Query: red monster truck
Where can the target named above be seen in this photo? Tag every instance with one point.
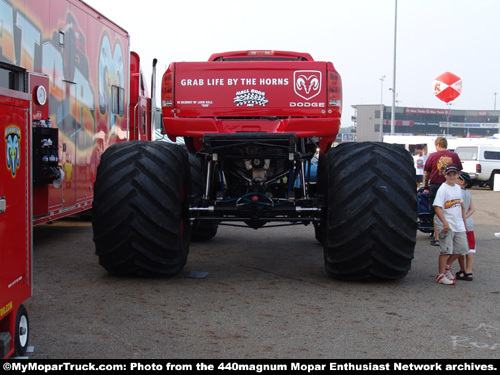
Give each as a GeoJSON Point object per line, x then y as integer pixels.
{"type": "Point", "coordinates": [254, 124]}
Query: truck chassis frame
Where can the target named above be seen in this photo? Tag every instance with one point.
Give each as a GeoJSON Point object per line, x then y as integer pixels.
{"type": "Point", "coordinates": [258, 206]}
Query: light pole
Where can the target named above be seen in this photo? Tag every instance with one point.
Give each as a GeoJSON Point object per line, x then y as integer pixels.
{"type": "Point", "coordinates": [381, 130]}
{"type": "Point", "coordinates": [393, 114]}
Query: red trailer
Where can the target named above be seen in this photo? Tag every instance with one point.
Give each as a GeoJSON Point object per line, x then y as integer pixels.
{"type": "Point", "coordinates": [69, 88]}
{"type": "Point", "coordinates": [15, 219]}
{"type": "Point", "coordinates": [93, 95]}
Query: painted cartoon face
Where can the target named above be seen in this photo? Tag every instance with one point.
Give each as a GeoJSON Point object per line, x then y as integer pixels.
{"type": "Point", "coordinates": [13, 153]}
{"type": "Point", "coordinates": [12, 136]}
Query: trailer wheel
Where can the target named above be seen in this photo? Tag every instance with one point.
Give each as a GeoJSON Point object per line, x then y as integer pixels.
{"type": "Point", "coordinates": [140, 210]}
{"type": "Point", "coordinates": [21, 335]}
{"type": "Point", "coordinates": [371, 211]}
{"type": "Point", "coordinates": [201, 230]}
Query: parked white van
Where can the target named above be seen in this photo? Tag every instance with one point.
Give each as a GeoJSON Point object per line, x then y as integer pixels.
{"type": "Point", "coordinates": [482, 162]}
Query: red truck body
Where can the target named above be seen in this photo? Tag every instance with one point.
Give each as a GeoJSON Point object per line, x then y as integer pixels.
{"type": "Point", "coordinates": [258, 127]}
{"type": "Point", "coordinates": [95, 92]}
{"type": "Point", "coordinates": [254, 91]}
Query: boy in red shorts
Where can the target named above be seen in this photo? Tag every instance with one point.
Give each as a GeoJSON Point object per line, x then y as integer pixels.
{"type": "Point", "coordinates": [465, 272]}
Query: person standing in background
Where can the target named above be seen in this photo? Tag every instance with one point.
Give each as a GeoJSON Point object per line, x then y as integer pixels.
{"type": "Point", "coordinates": [425, 156]}
{"type": "Point", "coordinates": [419, 167]}
{"type": "Point", "coordinates": [434, 175]}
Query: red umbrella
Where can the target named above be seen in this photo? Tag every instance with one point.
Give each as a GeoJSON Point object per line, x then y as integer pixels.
{"type": "Point", "coordinates": [447, 87]}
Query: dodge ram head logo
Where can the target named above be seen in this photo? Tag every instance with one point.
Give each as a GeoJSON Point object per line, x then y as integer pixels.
{"type": "Point", "coordinates": [307, 83]}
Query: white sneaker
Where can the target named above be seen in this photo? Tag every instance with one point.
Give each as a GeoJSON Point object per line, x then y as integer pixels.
{"type": "Point", "coordinates": [442, 279]}
{"type": "Point", "coordinates": [497, 235]}
{"type": "Point", "coordinates": [449, 274]}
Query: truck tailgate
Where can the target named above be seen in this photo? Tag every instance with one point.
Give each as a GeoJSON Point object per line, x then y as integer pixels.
{"type": "Point", "coordinates": [469, 166]}
{"type": "Point", "coordinates": [266, 89]}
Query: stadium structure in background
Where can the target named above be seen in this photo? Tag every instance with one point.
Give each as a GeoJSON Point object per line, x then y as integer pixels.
{"type": "Point", "coordinates": [424, 121]}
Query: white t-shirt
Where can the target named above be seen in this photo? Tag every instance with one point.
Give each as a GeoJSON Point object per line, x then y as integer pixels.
{"type": "Point", "coordinates": [449, 198]}
{"type": "Point", "coordinates": [467, 198]}
{"type": "Point", "coordinates": [419, 164]}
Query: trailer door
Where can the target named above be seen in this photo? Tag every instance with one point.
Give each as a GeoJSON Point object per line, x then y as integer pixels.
{"type": "Point", "coordinates": [15, 198]}
{"type": "Point", "coordinates": [65, 196]}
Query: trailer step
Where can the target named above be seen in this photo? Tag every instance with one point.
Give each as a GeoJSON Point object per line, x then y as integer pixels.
{"type": "Point", "coordinates": [5, 339]}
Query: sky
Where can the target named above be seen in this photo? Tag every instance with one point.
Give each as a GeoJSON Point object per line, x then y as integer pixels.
{"type": "Point", "coordinates": [357, 36]}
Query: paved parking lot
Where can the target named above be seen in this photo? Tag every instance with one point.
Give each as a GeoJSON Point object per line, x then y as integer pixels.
{"type": "Point", "coordinates": [266, 296]}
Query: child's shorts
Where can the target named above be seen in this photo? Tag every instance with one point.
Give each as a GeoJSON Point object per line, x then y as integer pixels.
{"type": "Point", "coordinates": [472, 242]}
{"type": "Point", "coordinates": [453, 243]}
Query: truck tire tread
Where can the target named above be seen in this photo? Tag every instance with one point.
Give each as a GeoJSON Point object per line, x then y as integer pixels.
{"type": "Point", "coordinates": [372, 208]}
{"type": "Point", "coordinates": [139, 212]}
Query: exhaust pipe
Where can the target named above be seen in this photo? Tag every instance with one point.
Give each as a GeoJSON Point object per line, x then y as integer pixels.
{"type": "Point", "coordinates": [153, 101]}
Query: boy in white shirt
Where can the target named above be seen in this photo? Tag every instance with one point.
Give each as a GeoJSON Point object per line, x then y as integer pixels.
{"type": "Point", "coordinates": [451, 225]}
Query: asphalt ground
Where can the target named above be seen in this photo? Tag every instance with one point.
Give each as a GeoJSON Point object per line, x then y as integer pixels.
{"type": "Point", "coordinates": [266, 295]}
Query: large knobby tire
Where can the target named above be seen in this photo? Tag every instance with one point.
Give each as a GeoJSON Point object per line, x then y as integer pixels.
{"type": "Point", "coordinates": [140, 211]}
{"type": "Point", "coordinates": [371, 225]}
{"type": "Point", "coordinates": [201, 230]}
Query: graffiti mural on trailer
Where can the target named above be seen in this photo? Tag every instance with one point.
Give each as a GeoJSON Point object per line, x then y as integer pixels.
{"type": "Point", "coordinates": [81, 75]}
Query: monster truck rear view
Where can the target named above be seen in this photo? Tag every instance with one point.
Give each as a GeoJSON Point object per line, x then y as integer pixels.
{"type": "Point", "coordinates": [258, 128]}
